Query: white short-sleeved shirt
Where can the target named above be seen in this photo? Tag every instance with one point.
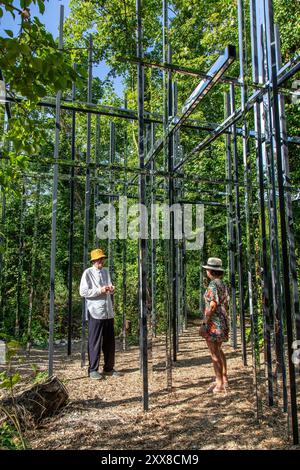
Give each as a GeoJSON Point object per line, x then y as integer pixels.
{"type": "Point", "coordinates": [98, 305]}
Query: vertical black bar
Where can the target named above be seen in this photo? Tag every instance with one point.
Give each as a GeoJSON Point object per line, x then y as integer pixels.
{"type": "Point", "coordinates": [177, 254]}
{"type": "Point", "coordinates": [283, 229]}
{"type": "Point", "coordinates": [261, 74]}
{"type": "Point", "coordinates": [230, 232]}
{"type": "Point", "coordinates": [3, 218]}
{"type": "Point", "coordinates": [248, 208]}
{"type": "Point", "coordinates": [87, 197]}
{"type": "Point", "coordinates": [239, 243]}
{"type": "Point", "coordinates": [124, 253]}
{"type": "Point", "coordinates": [265, 267]}
{"type": "Point", "coordinates": [71, 222]}
{"type": "Point", "coordinates": [289, 209]}
{"type": "Point", "coordinates": [172, 258]}
{"type": "Point", "coordinates": [20, 261]}
{"type": "Point", "coordinates": [54, 211]}
{"type": "Point", "coordinates": [268, 156]}
{"type": "Point", "coordinates": [2, 238]}
{"type": "Point", "coordinates": [165, 59]}
{"type": "Point", "coordinates": [3, 235]}
{"type": "Point", "coordinates": [292, 257]}
{"type": "Point", "coordinates": [168, 298]}
{"type": "Point", "coordinates": [153, 241]}
{"type": "Point", "coordinates": [184, 265]}
{"type": "Point", "coordinates": [201, 300]}
{"type": "Point", "coordinates": [96, 183]}
{"type": "Point", "coordinates": [33, 265]}
{"type": "Point", "coordinates": [262, 157]}
{"type": "Point", "coordinates": [112, 156]}
{"type": "Point", "coordinates": [142, 200]}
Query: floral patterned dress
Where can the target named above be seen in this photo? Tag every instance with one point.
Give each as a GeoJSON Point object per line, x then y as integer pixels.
{"type": "Point", "coordinates": [218, 329]}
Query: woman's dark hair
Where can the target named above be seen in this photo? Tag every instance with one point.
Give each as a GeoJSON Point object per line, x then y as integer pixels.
{"type": "Point", "coordinates": [216, 273]}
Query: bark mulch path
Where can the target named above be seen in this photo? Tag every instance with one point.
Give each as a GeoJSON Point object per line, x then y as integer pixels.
{"type": "Point", "coordinates": [108, 414]}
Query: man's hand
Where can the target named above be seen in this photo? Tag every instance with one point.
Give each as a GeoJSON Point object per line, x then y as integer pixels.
{"type": "Point", "coordinates": [107, 289]}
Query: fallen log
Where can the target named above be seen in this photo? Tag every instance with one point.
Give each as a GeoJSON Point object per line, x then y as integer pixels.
{"type": "Point", "coordinates": [40, 401]}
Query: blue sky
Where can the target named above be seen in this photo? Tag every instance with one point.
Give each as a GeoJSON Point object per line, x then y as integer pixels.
{"type": "Point", "coordinates": [50, 19]}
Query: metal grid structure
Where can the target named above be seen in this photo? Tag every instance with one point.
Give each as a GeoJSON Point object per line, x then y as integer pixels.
{"type": "Point", "coordinates": [274, 290]}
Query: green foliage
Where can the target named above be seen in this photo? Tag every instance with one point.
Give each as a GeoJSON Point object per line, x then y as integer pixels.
{"type": "Point", "coordinates": [10, 431]}
{"type": "Point", "coordinates": [9, 437]}
{"type": "Point", "coordinates": [33, 67]}
{"type": "Point", "coordinates": [38, 375]}
{"type": "Point", "coordinates": [8, 379]}
{"type": "Point", "coordinates": [33, 63]}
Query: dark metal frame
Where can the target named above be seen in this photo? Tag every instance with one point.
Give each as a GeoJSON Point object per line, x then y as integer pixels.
{"type": "Point", "coordinates": [276, 250]}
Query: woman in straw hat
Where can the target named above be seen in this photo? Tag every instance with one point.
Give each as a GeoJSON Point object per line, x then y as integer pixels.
{"type": "Point", "coordinates": [214, 327]}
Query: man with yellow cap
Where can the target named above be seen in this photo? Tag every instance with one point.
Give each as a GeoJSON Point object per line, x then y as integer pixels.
{"type": "Point", "coordinates": [96, 288]}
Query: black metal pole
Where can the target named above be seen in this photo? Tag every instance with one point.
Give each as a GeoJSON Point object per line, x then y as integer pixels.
{"type": "Point", "coordinates": [54, 211]}
{"type": "Point", "coordinates": [112, 156]}
{"type": "Point", "coordinates": [289, 209]}
{"type": "Point", "coordinates": [87, 199]}
{"type": "Point", "coordinates": [248, 213]}
{"type": "Point", "coordinates": [20, 260]}
{"type": "Point", "coordinates": [230, 230]}
{"type": "Point", "coordinates": [2, 239]}
{"type": "Point", "coordinates": [261, 120]}
{"type": "Point", "coordinates": [71, 223]}
{"type": "Point", "coordinates": [142, 200]}
{"type": "Point", "coordinates": [266, 300]}
{"type": "Point", "coordinates": [153, 243]}
{"type": "Point", "coordinates": [177, 254]}
{"type": "Point", "coordinates": [124, 252]}
{"type": "Point", "coordinates": [268, 156]}
{"type": "Point", "coordinates": [284, 240]}
{"type": "Point", "coordinates": [96, 181]}
{"type": "Point", "coordinates": [184, 283]}
{"type": "Point", "coordinates": [172, 258]}
{"type": "Point", "coordinates": [239, 243]}
{"type": "Point", "coordinates": [166, 247]}
{"type": "Point", "coordinates": [33, 265]}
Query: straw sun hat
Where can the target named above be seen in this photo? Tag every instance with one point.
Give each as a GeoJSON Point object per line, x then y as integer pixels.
{"type": "Point", "coordinates": [97, 254]}
{"type": "Point", "coordinates": [214, 264]}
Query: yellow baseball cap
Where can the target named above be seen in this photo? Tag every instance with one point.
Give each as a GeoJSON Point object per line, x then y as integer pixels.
{"type": "Point", "coordinates": [97, 254]}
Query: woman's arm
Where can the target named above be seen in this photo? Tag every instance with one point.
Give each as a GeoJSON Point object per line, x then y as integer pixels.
{"type": "Point", "coordinates": [211, 311]}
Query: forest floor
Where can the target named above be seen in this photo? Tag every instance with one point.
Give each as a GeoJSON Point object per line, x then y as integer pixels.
{"type": "Point", "coordinates": [108, 414]}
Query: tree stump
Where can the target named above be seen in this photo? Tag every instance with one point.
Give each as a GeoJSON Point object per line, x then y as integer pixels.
{"type": "Point", "coordinates": [40, 401]}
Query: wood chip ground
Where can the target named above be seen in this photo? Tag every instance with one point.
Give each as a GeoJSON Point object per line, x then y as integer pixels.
{"type": "Point", "coordinates": [108, 414]}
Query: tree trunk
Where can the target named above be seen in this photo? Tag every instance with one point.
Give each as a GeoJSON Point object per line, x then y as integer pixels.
{"type": "Point", "coordinates": [40, 401]}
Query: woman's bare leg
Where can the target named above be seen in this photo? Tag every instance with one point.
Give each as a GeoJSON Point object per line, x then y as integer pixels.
{"type": "Point", "coordinates": [224, 364]}
{"type": "Point", "coordinates": [217, 362]}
